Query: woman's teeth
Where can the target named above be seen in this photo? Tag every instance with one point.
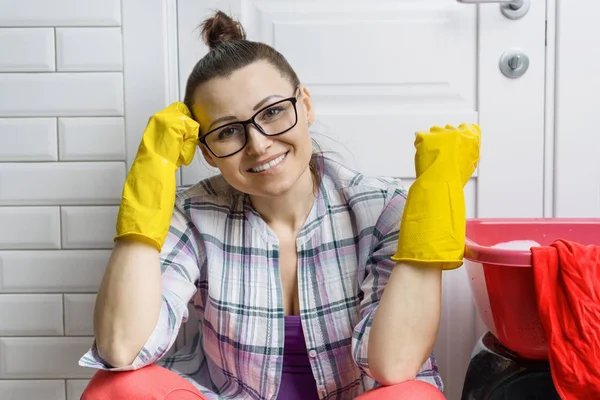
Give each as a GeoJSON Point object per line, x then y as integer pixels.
{"type": "Point", "coordinates": [269, 165]}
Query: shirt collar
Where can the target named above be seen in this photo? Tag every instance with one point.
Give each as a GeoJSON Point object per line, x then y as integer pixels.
{"type": "Point", "coordinates": [312, 222]}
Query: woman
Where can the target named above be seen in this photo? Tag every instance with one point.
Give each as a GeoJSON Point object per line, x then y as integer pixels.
{"type": "Point", "coordinates": [286, 255]}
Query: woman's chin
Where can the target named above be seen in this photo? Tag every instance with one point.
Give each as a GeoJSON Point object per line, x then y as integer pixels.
{"type": "Point", "coordinates": [273, 189]}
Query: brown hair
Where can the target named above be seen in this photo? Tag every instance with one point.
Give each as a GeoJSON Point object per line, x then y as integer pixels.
{"type": "Point", "coordinates": [230, 51]}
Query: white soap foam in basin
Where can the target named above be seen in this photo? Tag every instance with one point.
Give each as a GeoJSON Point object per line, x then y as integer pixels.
{"type": "Point", "coordinates": [517, 245]}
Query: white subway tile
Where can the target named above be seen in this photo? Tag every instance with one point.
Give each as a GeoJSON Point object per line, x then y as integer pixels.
{"type": "Point", "coordinates": [29, 227]}
{"type": "Point", "coordinates": [53, 271]}
{"type": "Point", "coordinates": [26, 49]}
{"type": "Point", "coordinates": [88, 227]}
{"type": "Point", "coordinates": [61, 183]}
{"type": "Point", "coordinates": [61, 94]}
{"type": "Point", "coordinates": [88, 49]}
{"type": "Point", "coordinates": [31, 314]}
{"type": "Point", "coordinates": [60, 13]}
{"type": "Point", "coordinates": [43, 357]}
{"type": "Point", "coordinates": [28, 139]}
{"type": "Point", "coordinates": [91, 139]}
{"type": "Point", "coordinates": [33, 390]}
{"type": "Point", "coordinates": [79, 312]}
{"type": "Point", "coordinates": [75, 388]}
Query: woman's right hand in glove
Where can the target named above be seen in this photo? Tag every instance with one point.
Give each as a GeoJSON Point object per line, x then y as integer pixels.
{"type": "Point", "coordinates": [169, 141]}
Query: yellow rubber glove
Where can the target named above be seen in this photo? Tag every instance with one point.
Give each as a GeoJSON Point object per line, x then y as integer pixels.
{"type": "Point", "coordinates": [148, 199]}
{"type": "Point", "coordinates": [432, 230]}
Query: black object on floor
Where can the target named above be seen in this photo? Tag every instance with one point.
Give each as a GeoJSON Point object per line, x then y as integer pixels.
{"type": "Point", "coordinates": [496, 373]}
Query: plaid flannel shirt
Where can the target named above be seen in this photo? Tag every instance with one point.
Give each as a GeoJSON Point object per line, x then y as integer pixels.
{"type": "Point", "coordinates": [222, 257]}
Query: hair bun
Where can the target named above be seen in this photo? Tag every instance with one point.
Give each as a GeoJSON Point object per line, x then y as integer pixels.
{"type": "Point", "coordinates": [221, 28]}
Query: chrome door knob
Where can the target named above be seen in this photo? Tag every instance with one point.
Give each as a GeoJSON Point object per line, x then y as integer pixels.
{"type": "Point", "coordinates": [514, 63]}
{"type": "Point", "coordinates": [512, 9]}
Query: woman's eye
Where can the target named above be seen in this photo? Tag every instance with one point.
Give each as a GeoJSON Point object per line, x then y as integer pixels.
{"type": "Point", "coordinates": [227, 132]}
{"type": "Point", "coordinates": [272, 112]}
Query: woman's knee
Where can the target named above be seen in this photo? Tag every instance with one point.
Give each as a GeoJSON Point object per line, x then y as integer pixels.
{"type": "Point", "coordinates": [148, 383]}
{"type": "Point", "coordinates": [106, 385]}
{"type": "Point", "coordinates": [409, 390]}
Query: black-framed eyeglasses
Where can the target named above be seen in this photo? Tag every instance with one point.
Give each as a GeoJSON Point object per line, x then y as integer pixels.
{"type": "Point", "coordinates": [272, 120]}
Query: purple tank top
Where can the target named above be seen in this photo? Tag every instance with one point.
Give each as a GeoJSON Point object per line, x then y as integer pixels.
{"type": "Point", "coordinates": [297, 381]}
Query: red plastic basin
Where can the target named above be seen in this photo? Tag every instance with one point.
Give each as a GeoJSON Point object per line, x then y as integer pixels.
{"type": "Point", "coordinates": [501, 280]}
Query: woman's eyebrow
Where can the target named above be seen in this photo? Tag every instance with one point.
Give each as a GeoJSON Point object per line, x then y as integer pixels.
{"type": "Point", "coordinates": [256, 107]}
{"type": "Point", "coordinates": [222, 119]}
{"type": "Point", "coordinates": [263, 101]}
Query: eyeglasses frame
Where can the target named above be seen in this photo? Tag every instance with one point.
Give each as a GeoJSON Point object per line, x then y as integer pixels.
{"type": "Point", "coordinates": [252, 121]}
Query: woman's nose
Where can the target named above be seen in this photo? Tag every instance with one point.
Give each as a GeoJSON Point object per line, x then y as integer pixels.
{"type": "Point", "coordinates": [257, 142]}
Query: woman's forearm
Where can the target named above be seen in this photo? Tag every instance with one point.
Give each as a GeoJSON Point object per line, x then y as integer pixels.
{"type": "Point", "coordinates": [128, 302]}
{"type": "Point", "coordinates": [405, 324]}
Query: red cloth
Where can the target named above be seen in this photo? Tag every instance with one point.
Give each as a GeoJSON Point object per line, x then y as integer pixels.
{"type": "Point", "coordinates": [567, 285]}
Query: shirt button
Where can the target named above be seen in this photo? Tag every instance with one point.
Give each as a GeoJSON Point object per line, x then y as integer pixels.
{"type": "Point", "coordinates": [312, 353]}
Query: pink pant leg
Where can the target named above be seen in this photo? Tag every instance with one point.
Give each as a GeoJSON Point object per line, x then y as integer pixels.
{"type": "Point", "coordinates": [409, 390]}
{"type": "Point", "coordinates": [148, 383]}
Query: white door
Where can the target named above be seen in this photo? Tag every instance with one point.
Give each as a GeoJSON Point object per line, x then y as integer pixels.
{"type": "Point", "coordinates": [379, 71]}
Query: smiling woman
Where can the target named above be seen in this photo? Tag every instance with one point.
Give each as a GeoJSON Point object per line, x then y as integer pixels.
{"type": "Point", "coordinates": [275, 123]}
{"type": "Point", "coordinates": [285, 255]}
{"type": "Point", "coordinates": [245, 95]}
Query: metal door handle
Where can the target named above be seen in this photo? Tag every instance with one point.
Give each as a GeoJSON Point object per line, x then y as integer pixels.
{"type": "Point", "coordinates": [514, 63]}
{"type": "Point", "coordinates": [513, 9]}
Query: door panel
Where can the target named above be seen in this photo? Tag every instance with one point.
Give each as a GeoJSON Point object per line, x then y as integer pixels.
{"type": "Point", "coordinates": [511, 114]}
{"type": "Point", "coordinates": [577, 168]}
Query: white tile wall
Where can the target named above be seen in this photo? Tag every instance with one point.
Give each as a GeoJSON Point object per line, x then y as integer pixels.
{"type": "Point", "coordinates": [61, 94]}
{"type": "Point", "coordinates": [61, 183]}
{"type": "Point", "coordinates": [88, 227]}
{"type": "Point", "coordinates": [44, 314]}
{"type": "Point", "coordinates": [75, 388]}
{"type": "Point", "coordinates": [29, 228]}
{"type": "Point", "coordinates": [53, 271]}
{"type": "Point", "coordinates": [78, 314]}
{"type": "Point", "coordinates": [28, 139]}
{"type": "Point", "coordinates": [43, 357]}
{"type": "Point", "coordinates": [91, 139]}
{"type": "Point", "coordinates": [32, 389]}
{"type": "Point", "coordinates": [38, 41]}
{"type": "Point", "coordinates": [88, 49]}
{"type": "Point", "coordinates": [62, 166]}
{"type": "Point", "coordinates": [31, 13]}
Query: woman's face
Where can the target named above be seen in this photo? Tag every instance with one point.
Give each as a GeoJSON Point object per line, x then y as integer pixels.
{"type": "Point", "coordinates": [267, 165]}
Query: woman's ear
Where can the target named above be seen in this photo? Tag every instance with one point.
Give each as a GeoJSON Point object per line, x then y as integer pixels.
{"type": "Point", "coordinates": [308, 105]}
{"type": "Point", "coordinates": [207, 156]}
